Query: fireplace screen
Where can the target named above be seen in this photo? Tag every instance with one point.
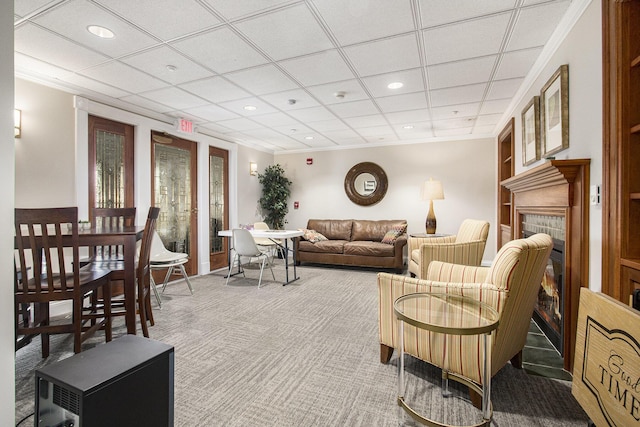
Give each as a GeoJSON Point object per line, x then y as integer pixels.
{"type": "Point", "coordinates": [550, 306]}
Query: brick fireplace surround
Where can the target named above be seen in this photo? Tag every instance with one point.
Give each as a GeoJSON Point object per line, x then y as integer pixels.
{"type": "Point", "coordinates": [559, 188]}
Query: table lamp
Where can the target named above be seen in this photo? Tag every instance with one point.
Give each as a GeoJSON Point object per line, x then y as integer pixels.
{"type": "Point", "coordinates": [432, 190]}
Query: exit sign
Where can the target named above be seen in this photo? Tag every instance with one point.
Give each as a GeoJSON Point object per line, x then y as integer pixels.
{"type": "Point", "coordinates": [185, 126]}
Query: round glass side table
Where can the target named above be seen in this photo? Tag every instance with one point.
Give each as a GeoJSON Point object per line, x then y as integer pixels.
{"type": "Point", "coordinates": [449, 315]}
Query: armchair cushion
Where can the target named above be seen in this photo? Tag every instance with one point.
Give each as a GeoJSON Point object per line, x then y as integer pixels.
{"type": "Point", "coordinates": [510, 286]}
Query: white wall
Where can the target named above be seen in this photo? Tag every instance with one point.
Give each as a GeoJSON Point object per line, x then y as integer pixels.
{"type": "Point", "coordinates": [249, 188]}
{"type": "Point", "coordinates": [7, 364]}
{"type": "Point", "coordinates": [466, 168]}
{"type": "Point", "coordinates": [582, 50]}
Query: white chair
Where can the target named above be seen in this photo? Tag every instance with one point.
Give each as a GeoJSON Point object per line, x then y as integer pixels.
{"type": "Point", "coordinates": [265, 243]}
{"type": "Point", "coordinates": [245, 247]}
{"type": "Point", "coordinates": [162, 258]}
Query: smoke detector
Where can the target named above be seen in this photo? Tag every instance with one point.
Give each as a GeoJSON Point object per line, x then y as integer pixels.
{"type": "Point", "coordinates": [292, 101]}
{"type": "Point", "coordinates": [339, 94]}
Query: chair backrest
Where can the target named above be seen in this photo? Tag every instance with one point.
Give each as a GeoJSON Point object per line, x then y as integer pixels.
{"type": "Point", "coordinates": [145, 245]}
{"type": "Point", "coordinates": [112, 218]}
{"type": "Point", "coordinates": [517, 268]}
{"type": "Point", "coordinates": [159, 252]}
{"type": "Point", "coordinates": [243, 243]}
{"type": "Point", "coordinates": [260, 226]}
{"type": "Point", "coordinates": [472, 229]}
{"type": "Point", "coordinates": [41, 236]}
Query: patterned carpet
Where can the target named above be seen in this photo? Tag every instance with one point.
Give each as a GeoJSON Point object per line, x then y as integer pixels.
{"type": "Point", "coordinates": [305, 354]}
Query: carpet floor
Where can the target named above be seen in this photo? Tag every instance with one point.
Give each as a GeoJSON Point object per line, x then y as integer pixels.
{"type": "Point", "coordinates": [306, 354]}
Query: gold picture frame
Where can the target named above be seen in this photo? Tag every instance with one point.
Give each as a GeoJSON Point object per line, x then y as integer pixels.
{"type": "Point", "coordinates": [554, 112]}
{"type": "Point", "coordinates": [531, 131]}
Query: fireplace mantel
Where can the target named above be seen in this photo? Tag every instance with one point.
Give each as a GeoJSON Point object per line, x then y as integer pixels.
{"type": "Point", "coordinates": [559, 188]}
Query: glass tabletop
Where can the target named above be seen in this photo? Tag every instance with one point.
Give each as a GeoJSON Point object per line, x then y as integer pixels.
{"type": "Point", "coordinates": [444, 313]}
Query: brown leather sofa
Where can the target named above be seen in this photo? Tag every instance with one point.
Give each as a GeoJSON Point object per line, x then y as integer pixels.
{"type": "Point", "coordinates": [353, 242]}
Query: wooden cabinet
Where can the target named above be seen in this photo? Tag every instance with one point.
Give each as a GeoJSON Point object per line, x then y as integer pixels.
{"type": "Point", "coordinates": [505, 171]}
{"type": "Point", "coordinates": [621, 147]}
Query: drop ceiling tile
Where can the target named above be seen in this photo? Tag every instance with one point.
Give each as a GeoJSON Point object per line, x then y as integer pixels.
{"type": "Point", "coordinates": [355, 108]}
{"type": "Point", "coordinates": [411, 79]}
{"type": "Point", "coordinates": [232, 9]}
{"type": "Point", "coordinates": [294, 131]}
{"type": "Point", "coordinates": [328, 125]}
{"type": "Point", "coordinates": [120, 75]}
{"type": "Point", "coordinates": [486, 129]}
{"type": "Point", "coordinates": [517, 64]}
{"type": "Point", "coordinates": [216, 128]}
{"type": "Point", "coordinates": [417, 129]}
{"type": "Point", "coordinates": [356, 21]}
{"type": "Point", "coordinates": [221, 50]}
{"type": "Point", "coordinates": [352, 89]}
{"type": "Point", "coordinates": [298, 32]}
{"type": "Point", "coordinates": [376, 131]}
{"type": "Point", "coordinates": [174, 97]}
{"type": "Point", "coordinates": [215, 89]}
{"type": "Point", "coordinates": [239, 124]}
{"type": "Point", "coordinates": [237, 106]}
{"type": "Point", "coordinates": [84, 82]}
{"type": "Point", "coordinates": [320, 143]}
{"type": "Point", "coordinates": [262, 80]}
{"type": "Point", "coordinates": [155, 62]}
{"type": "Point", "coordinates": [366, 121]}
{"type": "Point", "coordinates": [274, 120]}
{"type": "Point", "coordinates": [488, 119]}
{"type": "Point", "coordinates": [459, 123]}
{"type": "Point", "coordinates": [458, 95]}
{"type": "Point", "coordinates": [71, 20]}
{"type": "Point", "coordinates": [211, 113]}
{"type": "Point", "coordinates": [454, 111]}
{"type": "Point", "coordinates": [460, 73]}
{"type": "Point", "coordinates": [319, 68]}
{"type": "Point", "coordinates": [535, 24]}
{"type": "Point", "coordinates": [469, 39]}
{"type": "Point", "coordinates": [406, 117]}
{"type": "Point", "coordinates": [437, 12]}
{"type": "Point", "coordinates": [281, 100]}
{"type": "Point", "coordinates": [495, 106]}
{"type": "Point", "coordinates": [26, 65]}
{"type": "Point", "coordinates": [38, 43]}
{"type": "Point", "coordinates": [24, 8]}
{"type": "Point", "coordinates": [504, 88]}
{"type": "Point", "coordinates": [313, 114]}
{"type": "Point", "coordinates": [406, 101]}
{"type": "Point", "coordinates": [139, 101]}
{"type": "Point", "coordinates": [452, 132]}
{"type": "Point", "coordinates": [170, 19]}
{"type": "Point", "coordinates": [345, 134]}
{"type": "Point", "coordinates": [384, 56]}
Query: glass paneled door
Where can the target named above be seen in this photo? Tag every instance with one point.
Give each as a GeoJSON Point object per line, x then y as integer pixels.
{"type": "Point", "coordinates": [174, 191]}
{"type": "Point", "coordinates": [218, 207]}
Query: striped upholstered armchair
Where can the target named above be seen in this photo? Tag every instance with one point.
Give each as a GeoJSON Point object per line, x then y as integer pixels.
{"type": "Point", "coordinates": [466, 247]}
{"type": "Point", "coordinates": [510, 286]}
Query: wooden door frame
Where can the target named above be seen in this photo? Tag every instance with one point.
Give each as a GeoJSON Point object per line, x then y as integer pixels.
{"type": "Point", "coordinates": [219, 152]}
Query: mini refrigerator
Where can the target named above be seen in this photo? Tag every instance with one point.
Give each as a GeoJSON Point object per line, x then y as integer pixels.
{"type": "Point", "coordinates": [126, 382]}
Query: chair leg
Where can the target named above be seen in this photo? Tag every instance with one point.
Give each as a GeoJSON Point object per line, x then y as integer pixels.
{"type": "Point", "coordinates": [107, 311]}
{"type": "Point", "coordinates": [166, 277]}
{"type": "Point", "coordinates": [142, 309]}
{"type": "Point", "coordinates": [264, 260]}
{"type": "Point", "coordinates": [155, 291]}
{"type": "Point", "coordinates": [385, 353]}
{"type": "Point", "coordinates": [184, 273]}
{"type": "Point", "coordinates": [516, 360]}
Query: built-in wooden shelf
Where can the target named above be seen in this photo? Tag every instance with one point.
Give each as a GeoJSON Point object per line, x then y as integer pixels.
{"type": "Point", "coordinates": [635, 62]}
{"type": "Point", "coordinates": [631, 263]}
{"type": "Point", "coordinates": [507, 160]}
{"type": "Point", "coordinates": [635, 129]}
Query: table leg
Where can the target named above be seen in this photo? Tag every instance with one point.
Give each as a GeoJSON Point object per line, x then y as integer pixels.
{"type": "Point", "coordinates": [286, 263]}
{"type": "Point", "coordinates": [486, 378]}
{"type": "Point", "coordinates": [130, 283]}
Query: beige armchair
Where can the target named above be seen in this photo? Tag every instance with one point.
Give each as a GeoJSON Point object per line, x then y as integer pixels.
{"type": "Point", "coordinates": [466, 247]}
{"type": "Point", "coordinates": [510, 286]}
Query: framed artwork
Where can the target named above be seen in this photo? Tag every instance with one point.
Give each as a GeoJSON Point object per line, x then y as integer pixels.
{"type": "Point", "coordinates": [554, 112]}
{"type": "Point", "coordinates": [531, 131]}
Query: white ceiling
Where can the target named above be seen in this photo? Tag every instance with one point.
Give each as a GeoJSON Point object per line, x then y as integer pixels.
{"type": "Point", "coordinates": [461, 62]}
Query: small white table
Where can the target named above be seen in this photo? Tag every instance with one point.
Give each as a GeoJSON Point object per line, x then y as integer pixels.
{"type": "Point", "coordinates": [275, 236]}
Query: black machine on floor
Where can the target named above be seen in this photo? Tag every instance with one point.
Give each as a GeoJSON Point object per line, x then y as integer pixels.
{"type": "Point", "coordinates": [126, 382]}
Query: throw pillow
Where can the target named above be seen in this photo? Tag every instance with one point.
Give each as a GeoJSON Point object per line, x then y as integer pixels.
{"type": "Point", "coordinates": [392, 235]}
{"type": "Point", "coordinates": [312, 235]}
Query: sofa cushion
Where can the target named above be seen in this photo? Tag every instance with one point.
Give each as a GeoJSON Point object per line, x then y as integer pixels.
{"type": "Point", "coordinates": [373, 230]}
{"type": "Point", "coordinates": [332, 229]}
{"type": "Point", "coordinates": [312, 235]}
{"type": "Point", "coordinates": [325, 246]}
{"type": "Point", "coordinates": [368, 248]}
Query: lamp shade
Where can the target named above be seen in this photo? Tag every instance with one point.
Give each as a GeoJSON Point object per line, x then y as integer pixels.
{"type": "Point", "coordinates": [432, 190]}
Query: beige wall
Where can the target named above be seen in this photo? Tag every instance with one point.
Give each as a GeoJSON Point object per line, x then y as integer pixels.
{"type": "Point", "coordinates": [249, 188]}
{"type": "Point", "coordinates": [467, 170]}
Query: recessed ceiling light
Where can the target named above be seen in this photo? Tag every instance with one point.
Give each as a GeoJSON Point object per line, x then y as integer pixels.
{"type": "Point", "coordinates": [171, 68]}
{"type": "Point", "coordinates": [250, 107]}
{"type": "Point", "coordinates": [308, 137]}
{"type": "Point", "coordinates": [395, 85]}
{"type": "Point", "coordinates": [101, 32]}
{"type": "Point", "coordinates": [407, 127]}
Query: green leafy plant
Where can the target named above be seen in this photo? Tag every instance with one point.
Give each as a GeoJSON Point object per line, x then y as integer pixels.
{"type": "Point", "coordinates": [275, 195]}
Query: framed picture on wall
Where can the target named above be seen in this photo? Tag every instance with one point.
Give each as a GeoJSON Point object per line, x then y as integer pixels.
{"type": "Point", "coordinates": [531, 131]}
{"type": "Point", "coordinates": [554, 112]}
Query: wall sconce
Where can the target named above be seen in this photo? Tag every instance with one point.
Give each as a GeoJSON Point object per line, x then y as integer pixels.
{"type": "Point", "coordinates": [17, 123]}
{"type": "Point", "coordinates": [253, 168]}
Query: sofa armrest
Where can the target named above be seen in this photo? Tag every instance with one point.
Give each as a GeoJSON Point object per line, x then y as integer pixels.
{"type": "Point", "coordinates": [467, 253]}
{"type": "Point", "coordinates": [448, 272]}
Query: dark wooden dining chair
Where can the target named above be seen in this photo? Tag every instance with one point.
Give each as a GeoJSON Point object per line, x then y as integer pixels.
{"type": "Point", "coordinates": [143, 282]}
{"type": "Point", "coordinates": [111, 218]}
{"type": "Point", "coordinates": [47, 247]}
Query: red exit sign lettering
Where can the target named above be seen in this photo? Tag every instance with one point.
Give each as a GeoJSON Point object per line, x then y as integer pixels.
{"type": "Point", "coordinates": [185, 126]}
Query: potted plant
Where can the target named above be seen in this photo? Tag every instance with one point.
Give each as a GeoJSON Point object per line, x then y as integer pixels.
{"type": "Point", "coordinates": [275, 195]}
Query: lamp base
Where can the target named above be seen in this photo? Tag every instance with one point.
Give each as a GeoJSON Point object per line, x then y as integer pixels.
{"type": "Point", "coordinates": [431, 220]}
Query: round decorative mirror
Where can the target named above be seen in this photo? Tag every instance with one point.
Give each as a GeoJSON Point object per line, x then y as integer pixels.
{"type": "Point", "coordinates": [366, 184]}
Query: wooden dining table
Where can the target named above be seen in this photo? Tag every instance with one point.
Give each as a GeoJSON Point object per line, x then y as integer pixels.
{"type": "Point", "coordinates": [126, 237]}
